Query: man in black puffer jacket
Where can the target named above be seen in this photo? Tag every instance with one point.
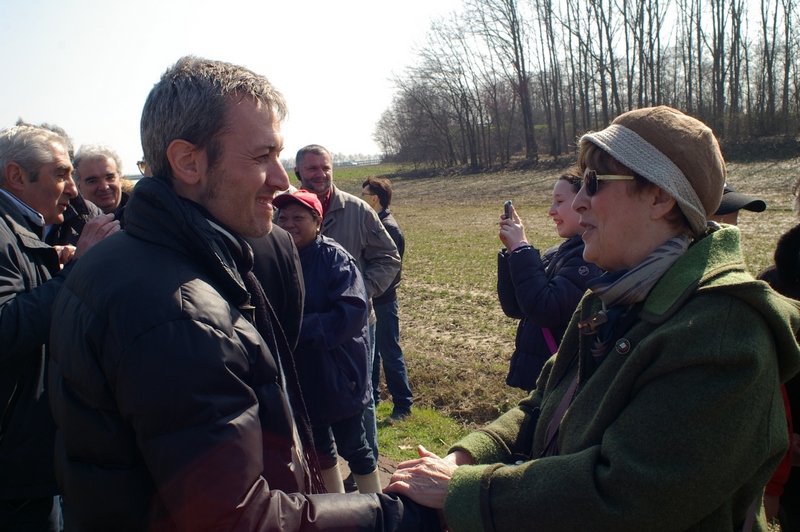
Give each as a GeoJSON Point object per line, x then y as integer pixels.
{"type": "Point", "coordinates": [175, 398]}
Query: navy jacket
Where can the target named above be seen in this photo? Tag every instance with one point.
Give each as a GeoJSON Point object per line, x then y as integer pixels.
{"type": "Point", "coordinates": [540, 292]}
{"type": "Point", "coordinates": [332, 356]}
{"type": "Point", "coordinates": [393, 228]}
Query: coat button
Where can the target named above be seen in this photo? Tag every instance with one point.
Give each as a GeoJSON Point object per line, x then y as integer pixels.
{"type": "Point", "coordinates": [622, 346]}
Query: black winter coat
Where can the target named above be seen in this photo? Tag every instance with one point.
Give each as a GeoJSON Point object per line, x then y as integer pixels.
{"type": "Point", "coordinates": [540, 292]}
{"type": "Point", "coordinates": [29, 282]}
{"type": "Point", "coordinates": [79, 211]}
{"type": "Point", "coordinates": [277, 268]}
{"type": "Point", "coordinates": [171, 408]}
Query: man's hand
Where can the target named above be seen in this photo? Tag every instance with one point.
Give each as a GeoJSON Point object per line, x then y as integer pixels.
{"type": "Point", "coordinates": [65, 253]}
{"type": "Point", "coordinates": [94, 231]}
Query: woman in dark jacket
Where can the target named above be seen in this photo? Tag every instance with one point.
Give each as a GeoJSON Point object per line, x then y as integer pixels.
{"type": "Point", "coordinates": [331, 354]}
{"type": "Point", "coordinates": [542, 291]}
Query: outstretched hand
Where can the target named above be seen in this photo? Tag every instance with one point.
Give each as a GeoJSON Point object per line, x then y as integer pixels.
{"type": "Point", "coordinates": [512, 231]}
{"type": "Point", "coordinates": [424, 480]}
{"type": "Point", "coordinates": [94, 231]}
{"type": "Point", "coordinates": [65, 253]}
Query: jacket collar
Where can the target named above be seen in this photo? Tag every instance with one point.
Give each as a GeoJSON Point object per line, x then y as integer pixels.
{"type": "Point", "coordinates": [714, 261]}
{"type": "Point", "coordinates": [155, 213]}
{"type": "Point", "coordinates": [34, 216]}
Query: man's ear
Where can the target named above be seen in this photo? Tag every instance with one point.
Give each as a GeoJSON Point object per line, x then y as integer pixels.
{"type": "Point", "coordinates": [16, 177]}
{"type": "Point", "coordinates": [186, 161]}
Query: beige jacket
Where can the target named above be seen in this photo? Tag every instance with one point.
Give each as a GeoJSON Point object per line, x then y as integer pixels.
{"type": "Point", "coordinates": [356, 226]}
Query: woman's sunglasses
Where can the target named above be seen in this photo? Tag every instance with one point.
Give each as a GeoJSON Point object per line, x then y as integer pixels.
{"type": "Point", "coordinates": [590, 179]}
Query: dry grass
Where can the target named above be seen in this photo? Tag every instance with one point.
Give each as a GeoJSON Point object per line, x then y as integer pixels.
{"type": "Point", "coordinates": [456, 339]}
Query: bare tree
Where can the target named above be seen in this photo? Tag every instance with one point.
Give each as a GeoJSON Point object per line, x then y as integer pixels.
{"type": "Point", "coordinates": [499, 23]}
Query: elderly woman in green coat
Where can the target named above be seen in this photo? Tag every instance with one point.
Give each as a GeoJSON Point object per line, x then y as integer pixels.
{"type": "Point", "coordinates": [662, 408]}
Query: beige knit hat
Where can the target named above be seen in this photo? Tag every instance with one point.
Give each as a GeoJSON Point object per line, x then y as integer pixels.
{"type": "Point", "coordinates": [672, 150]}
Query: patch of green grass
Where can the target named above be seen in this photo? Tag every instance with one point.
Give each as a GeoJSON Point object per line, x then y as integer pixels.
{"type": "Point", "coordinates": [425, 426]}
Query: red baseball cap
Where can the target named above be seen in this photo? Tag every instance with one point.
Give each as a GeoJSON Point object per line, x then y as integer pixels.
{"type": "Point", "coordinates": [303, 197]}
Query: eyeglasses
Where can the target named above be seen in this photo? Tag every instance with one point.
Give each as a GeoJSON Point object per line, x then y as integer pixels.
{"type": "Point", "coordinates": [590, 179]}
{"type": "Point", "coordinates": [363, 194]}
{"type": "Point", "coordinates": [142, 166]}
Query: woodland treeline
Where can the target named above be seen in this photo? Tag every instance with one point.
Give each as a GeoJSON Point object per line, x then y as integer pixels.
{"type": "Point", "coordinates": [500, 79]}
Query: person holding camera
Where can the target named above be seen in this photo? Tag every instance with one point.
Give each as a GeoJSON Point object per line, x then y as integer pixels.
{"type": "Point", "coordinates": [542, 290]}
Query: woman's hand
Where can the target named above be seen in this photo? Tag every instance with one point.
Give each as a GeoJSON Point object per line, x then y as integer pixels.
{"type": "Point", "coordinates": [426, 479]}
{"type": "Point", "coordinates": [512, 232]}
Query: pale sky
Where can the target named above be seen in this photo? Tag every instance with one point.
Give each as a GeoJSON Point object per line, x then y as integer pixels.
{"type": "Point", "coordinates": [88, 65]}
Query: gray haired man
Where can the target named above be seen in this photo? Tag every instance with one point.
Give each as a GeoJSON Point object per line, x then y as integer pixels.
{"type": "Point", "coordinates": [35, 190]}
{"type": "Point", "coordinates": [98, 172]}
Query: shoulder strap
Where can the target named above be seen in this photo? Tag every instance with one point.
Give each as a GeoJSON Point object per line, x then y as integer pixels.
{"type": "Point", "coordinates": [551, 342]}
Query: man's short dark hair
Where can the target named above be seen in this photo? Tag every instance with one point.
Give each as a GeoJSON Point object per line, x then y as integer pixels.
{"type": "Point", "coordinates": [381, 187]}
{"type": "Point", "coordinates": [190, 103]}
{"type": "Point", "coordinates": [316, 149]}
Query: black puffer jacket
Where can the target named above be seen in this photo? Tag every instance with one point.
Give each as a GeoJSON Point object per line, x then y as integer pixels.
{"type": "Point", "coordinates": [540, 292]}
{"type": "Point", "coordinates": [171, 409]}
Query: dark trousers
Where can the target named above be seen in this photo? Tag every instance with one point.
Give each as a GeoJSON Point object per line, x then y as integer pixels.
{"type": "Point", "coordinates": [387, 349]}
{"type": "Point", "coordinates": [351, 443]}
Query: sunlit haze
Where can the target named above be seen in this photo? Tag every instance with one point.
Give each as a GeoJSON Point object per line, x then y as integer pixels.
{"type": "Point", "coordinates": [88, 65]}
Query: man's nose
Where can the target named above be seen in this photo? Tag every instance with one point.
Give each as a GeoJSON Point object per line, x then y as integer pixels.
{"type": "Point", "coordinates": [277, 177]}
{"type": "Point", "coordinates": [70, 189]}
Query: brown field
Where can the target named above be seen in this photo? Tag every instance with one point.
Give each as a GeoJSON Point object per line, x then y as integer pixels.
{"type": "Point", "coordinates": [456, 339]}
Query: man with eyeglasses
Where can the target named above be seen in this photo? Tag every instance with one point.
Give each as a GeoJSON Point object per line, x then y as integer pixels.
{"type": "Point", "coordinates": [355, 225]}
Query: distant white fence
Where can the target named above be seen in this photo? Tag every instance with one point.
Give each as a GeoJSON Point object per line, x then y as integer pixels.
{"type": "Point", "coordinates": [364, 162]}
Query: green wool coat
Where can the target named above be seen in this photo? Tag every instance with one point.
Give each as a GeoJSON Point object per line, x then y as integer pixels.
{"type": "Point", "coordinates": [681, 432]}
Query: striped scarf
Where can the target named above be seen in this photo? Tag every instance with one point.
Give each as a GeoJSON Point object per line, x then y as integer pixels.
{"type": "Point", "coordinates": [634, 284]}
{"type": "Point", "coordinates": [620, 291]}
